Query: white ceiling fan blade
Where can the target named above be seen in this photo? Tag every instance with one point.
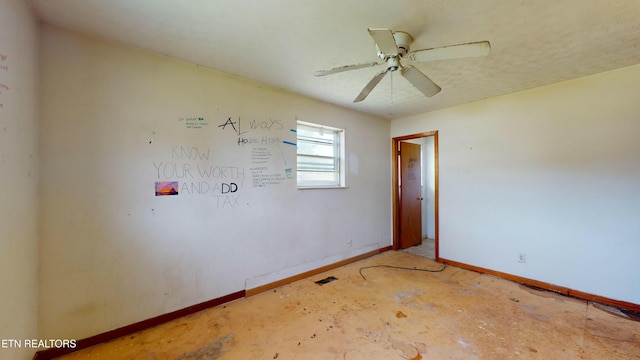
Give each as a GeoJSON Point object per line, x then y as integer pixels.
{"type": "Point", "coordinates": [475, 49]}
{"type": "Point", "coordinates": [385, 41]}
{"type": "Point", "coordinates": [367, 89]}
{"type": "Point", "coordinates": [420, 81]}
{"type": "Point", "coordinates": [344, 68]}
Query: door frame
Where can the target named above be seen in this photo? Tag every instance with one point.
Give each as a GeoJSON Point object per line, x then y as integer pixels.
{"type": "Point", "coordinates": [396, 187]}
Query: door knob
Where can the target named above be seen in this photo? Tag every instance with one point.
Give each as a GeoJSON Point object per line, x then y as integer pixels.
{"type": "Point", "coordinates": [420, 198]}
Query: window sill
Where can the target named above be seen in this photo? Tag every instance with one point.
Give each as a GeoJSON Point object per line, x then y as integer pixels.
{"type": "Point", "coordinates": [321, 187]}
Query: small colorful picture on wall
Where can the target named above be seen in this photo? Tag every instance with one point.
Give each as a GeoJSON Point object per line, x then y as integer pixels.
{"type": "Point", "coordinates": [165, 188]}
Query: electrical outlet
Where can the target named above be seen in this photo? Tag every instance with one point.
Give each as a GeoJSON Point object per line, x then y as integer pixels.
{"type": "Point", "coordinates": [350, 243]}
{"type": "Point", "coordinates": [522, 257]}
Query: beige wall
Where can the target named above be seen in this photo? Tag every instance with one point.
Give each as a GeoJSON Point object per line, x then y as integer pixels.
{"type": "Point", "coordinates": [552, 172]}
{"type": "Point", "coordinates": [116, 253]}
{"type": "Point", "coordinates": [19, 176]}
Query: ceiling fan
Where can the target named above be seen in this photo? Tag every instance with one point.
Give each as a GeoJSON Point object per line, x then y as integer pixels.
{"type": "Point", "coordinates": [392, 46]}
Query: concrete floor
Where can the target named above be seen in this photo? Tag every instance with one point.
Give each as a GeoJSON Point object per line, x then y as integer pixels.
{"type": "Point", "coordinates": [393, 314]}
{"type": "Point", "coordinates": [426, 249]}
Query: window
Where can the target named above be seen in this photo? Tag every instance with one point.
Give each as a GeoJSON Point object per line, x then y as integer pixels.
{"type": "Point", "coordinates": [320, 156]}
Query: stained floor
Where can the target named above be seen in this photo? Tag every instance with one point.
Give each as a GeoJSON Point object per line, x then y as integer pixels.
{"type": "Point", "coordinates": [393, 314]}
{"type": "Point", "coordinates": [426, 249]}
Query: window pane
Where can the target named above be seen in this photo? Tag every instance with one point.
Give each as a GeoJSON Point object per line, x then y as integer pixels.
{"type": "Point", "coordinates": [318, 178]}
{"type": "Point", "coordinates": [316, 133]}
{"type": "Point", "coordinates": [314, 148]}
{"type": "Point", "coordinates": [311, 163]}
{"type": "Point", "coordinates": [318, 155]}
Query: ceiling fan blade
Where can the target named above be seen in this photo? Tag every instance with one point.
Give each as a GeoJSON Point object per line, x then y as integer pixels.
{"type": "Point", "coordinates": [367, 89]}
{"type": "Point", "coordinates": [344, 68]}
{"type": "Point", "coordinates": [474, 49]}
{"type": "Point", "coordinates": [385, 41]}
{"type": "Point", "coordinates": [420, 81]}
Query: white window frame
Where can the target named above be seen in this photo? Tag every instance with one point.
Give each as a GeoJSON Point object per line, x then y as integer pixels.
{"type": "Point", "coordinates": [338, 180]}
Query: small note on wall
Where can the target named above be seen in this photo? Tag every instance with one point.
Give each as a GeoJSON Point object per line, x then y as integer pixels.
{"type": "Point", "coordinates": [193, 122]}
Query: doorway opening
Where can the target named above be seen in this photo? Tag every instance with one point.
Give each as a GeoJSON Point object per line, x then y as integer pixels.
{"type": "Point", "coordinates": [415, 193]}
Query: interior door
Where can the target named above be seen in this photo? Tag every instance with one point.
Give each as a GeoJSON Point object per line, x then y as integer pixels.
{"type": "Point", "coordinates": [410, 195]}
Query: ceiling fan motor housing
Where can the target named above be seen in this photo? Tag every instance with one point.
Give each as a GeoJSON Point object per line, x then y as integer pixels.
{"type": "Point", "coordinates": [403, 40]}
{"type": "Point", "coordinates": [393, 63]}
{"type": "Point", "coordinates": [403, 43]}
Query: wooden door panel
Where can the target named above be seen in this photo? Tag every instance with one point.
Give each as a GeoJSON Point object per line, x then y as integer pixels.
{"type": "Point", "coordinates": [410, 195]}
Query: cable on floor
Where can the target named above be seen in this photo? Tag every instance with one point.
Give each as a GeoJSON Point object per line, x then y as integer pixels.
{"type": "Point", "coordinates": [401, 268]}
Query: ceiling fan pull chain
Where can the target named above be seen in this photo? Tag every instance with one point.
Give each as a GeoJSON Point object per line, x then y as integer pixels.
{"type": "Point", "coordinates": [391, 88]}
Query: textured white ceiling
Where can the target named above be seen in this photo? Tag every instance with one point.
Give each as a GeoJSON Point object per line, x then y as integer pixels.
{"type": "Point", "coordinates": [282, 42]}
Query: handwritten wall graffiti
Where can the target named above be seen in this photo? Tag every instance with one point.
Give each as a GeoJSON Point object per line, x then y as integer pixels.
{"type": "Point", "coordinates": [268, 162]}
{"type": "Point", "coordinates": [183, 170]}
{"type": "Point", "coordinates": [253, 150]}
{"type": "Point", "coordinates": [193, 122]}
{"type": "Point", "coordinates": [190, 172]}
{"type": "Point", "coordinates": [413, 162]}
{"type": "Point", "coordinates": [262, 173]}
{"type": "Point", "coordinates": [4, 87]}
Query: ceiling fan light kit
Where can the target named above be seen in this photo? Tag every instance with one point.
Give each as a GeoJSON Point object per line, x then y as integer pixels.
{"type": "Point", "coordinates": [392, 46]}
